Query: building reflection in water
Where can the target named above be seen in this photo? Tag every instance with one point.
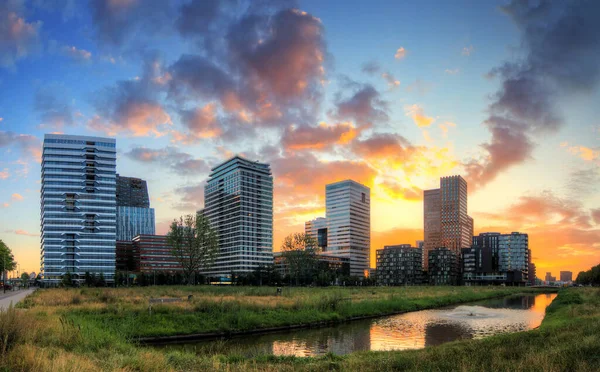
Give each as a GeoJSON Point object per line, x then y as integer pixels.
{"type": "Point", "coordinates": [414, 330]}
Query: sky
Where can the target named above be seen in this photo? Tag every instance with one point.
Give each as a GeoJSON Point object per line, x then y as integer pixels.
{"type": "Point", "coordinates": [393, 94]}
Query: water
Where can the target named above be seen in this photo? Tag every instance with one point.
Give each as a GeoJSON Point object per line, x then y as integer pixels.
{"type": "Point", "coordinates": [414, 330]}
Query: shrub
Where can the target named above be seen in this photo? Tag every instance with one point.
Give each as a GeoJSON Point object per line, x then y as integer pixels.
{"type": "Point", "coordinates": [12, 327]}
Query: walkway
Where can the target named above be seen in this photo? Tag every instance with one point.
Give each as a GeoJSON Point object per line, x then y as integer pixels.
{"type": "Point", "coordinates": [13, 297]}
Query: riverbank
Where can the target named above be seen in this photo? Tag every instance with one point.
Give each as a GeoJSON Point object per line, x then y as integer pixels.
{"type": "Point", "coordinates": [215, 312]}
{"type": "Point", "coordinates": [51, 339]}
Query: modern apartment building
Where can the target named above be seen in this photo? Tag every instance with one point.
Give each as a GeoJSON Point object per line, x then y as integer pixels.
{"type": "Point", "coordinates": [134, 215]}
{"type": "Point", "coordinates": [317, 228]}
{"type": "Point", "coordinates": [348, 213]}
{"type": "Point", "coordinates": [147, 254]}
{"type": "Point", "coordinates": [399, 265]}
{"type": "Point", "coordinates": [443, 267]}
{"type": "Point", "coordinates": [78, 207]}
{"type": "Point", "coordinates": [238, 201]}
{"type": "Point", "coordinates": [566, 276]}
{"type": "Point", "coordinates": [550, 278]}
{"type": "Point", "coordinates": [445, 220]}
{"type": "Point", "coordinates": [514, 253]}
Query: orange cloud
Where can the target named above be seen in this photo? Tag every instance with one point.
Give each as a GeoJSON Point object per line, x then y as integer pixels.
{"type": "Point", "coordinates": [418, 115]}
{"type": "Point", "coordinates": [391, 81]}
{"type": "Point", "coordinates": [320, 137]}
{"type": "Point", "coordinates": [25, 233]}
{"type": "Point", "coordinates": [136, 119]}
{"type": "Point", "coordinates": [400, 53]}
{"type": "Point", "coordinates": [585, 153]}
{"type": "Point", "coordinates": [16, 197]}
{"type": "Point", "coordinates": [4, 174]}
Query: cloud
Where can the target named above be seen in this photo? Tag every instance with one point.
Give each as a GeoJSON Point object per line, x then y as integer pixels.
{"type": "Point", "coordinates": [419, 86]}
{"type": "Point", "coordinates": [5, 205]}
{"type": "Point", "coordinates": [4, 174]}
{"type": "Point", "coordinates": [133, 107]}
{"type": "Point", "coordinates": [16, 197]}
{"type": "Point", "coordinates": [117, 22]}
{"type": "Point", "coordinates": [18, 38]}
{"type": "Point", "coordinates": [179, 162]}
{"type": "Point", "coordinates": [390, 80]}
{"type": "Point", "coordinates": [445, 127]}
{"type": "Point", "coordinates": [201, 123]}
{"type": "Point", "coordinates": [365, 106]}
{"type": "Point", "coordinates": [468, 50]}
{"type": "Point", "coordinates": [26, 143]}
{"type": "Point", "coordinates": [398, 191]}
{"type": "Point", "coordinates": [318, 137]}
{"type": "Point", "coordinates": [585, 153]}
{"type": "Point", "coordinates": [192, 197]}
{"type": "Point", "coordinates": [371, 68]}
{"type": "Point", "coordinates": [400, 53]}
{"type": "Point", "coordinates": [417, 113]}
{"type": "Point", "coordinates": [24, 233]}
{"type": "Point", "coordinates": [78, 55]}
{"type": "Point", "coordinates": [524, 106]}
{"type": "Point", "coordinates": [53, 107]}
{"type": "Point", "coordinates": [453, 71]}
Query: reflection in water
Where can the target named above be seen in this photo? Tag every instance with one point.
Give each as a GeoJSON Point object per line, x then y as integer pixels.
{"type": "Point", "coordinates": [406, 331]}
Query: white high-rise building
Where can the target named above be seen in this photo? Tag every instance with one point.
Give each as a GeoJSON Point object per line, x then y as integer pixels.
{"type": "Point", "coordinates": [78, 207]}
{"type": "Point", "coordinates": [348, 213]}
{"type": "Point", "coordinates": [238, 200]}
{"type": "Point", "coordinates": [317, 229]}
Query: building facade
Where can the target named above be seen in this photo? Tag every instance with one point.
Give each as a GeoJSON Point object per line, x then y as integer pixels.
{"type": "Point", "coordinates": [78, 207]}
{"type": "Point", "coordinates": [514, 253]}
{"type": "Point", "coordinates": [348, 213]}
{"type": "Point", "coordinates": [443, 267]}
{"type": "Point", "coordinates": [566, 276]}
{"type": "Point", "coordinates": [317, 229]}
{"type": "Point", "coordinates": [147, 254]}
{"type": "Point", "coordinates": [531, 275]}
{"type": "Point", "coordinates": [446, 222]}
{"type": "Point", "coordinates": [550, 278]}
{"type": "Point", "coordinates": [238, 201]}
{"type": "Point", "coordinates": [399, 265]}
{"type": "Point", "coordinates": [134, 215]}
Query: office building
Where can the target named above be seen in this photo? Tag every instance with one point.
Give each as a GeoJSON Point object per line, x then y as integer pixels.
{"type": "Point", "coordinates": [238, 200]}
{"type": "Point", "coordinates": [445, 220]}
{"type": "Point", "coordinates": [338, 266]}
{"type": "Point", "coordinates": [550, 278]}
{"type": "Point", "coordinates": [317, 229]}
{"type": "Point", "coordinates": [147, 254]}
{"type": "Point", "coordinates": [513, 251]}
{"type": "Point", "coordinates": [127, 257]}
{"type": "Point", "coordinates": [134, 215]}
{"type": "Point", "coordinates": [399, 265]}
{"type": "Point", "coordinates": [78, 207]}
{"type": "Point", "coordinates": [443, 267]}
{"type": "Point", "coordinates": [566, 276]}
{"type": "Point", "coordinates": [348, 213]}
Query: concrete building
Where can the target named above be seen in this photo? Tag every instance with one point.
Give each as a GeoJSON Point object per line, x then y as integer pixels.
{"type": "Point", "coordinates": [399, 265]}
{"type": "Point", "coordinates": [78, 207]}
{"type": "Point", "coordinates": [550, 278]}
{"type": "Point", "coordinates": [317, 228]}
{"type": "Point", "coordinates": [566, 276]}
{"type": "Point", "coordinates": [348, 213]}
{"type": "Point", "coordinates": [134, 215]}
{"type": "Point", "coordinates": [238, 200]}
{"type": "Point", "coordinates": [445, 220]}
{"type": "Point", "coordinates": [340, 266]}
{"type": "Point", "coordinates": [531, 274]}
{"type": "Point", "coordinates": [147, 254]}
{"type": "Point", "coordinates": [443, 267]}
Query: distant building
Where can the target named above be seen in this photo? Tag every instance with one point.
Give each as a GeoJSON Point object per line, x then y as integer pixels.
{"type": "Point", "coordinates": [514, 254]}
{"type": "Point", "coordinates": [445, 220]}
{"type": "Point", "coordinates": [147, 254]}
{"type": "Point", "coordinates": [421, 245]}
{"type": "Point", "coordinates": [348, 213]}
{"type": "Point", "coordinates": [566, 276]}
{"type": "Point", "coordinates": [550, 278]}
{"type": "Point", "coordinates": [317, 229]}
{"type": "Point", "coordinates": [443, 267]}
{"type": "Point", "coordinates": [78, 207]}
{"type": "Point", "coordinates": [340, 266]}
{"type": "Point", "coordinates": [134, 215]}
{"type": "Point", "coordinates": [399, 265]}
{"type": "Point", "coordinates": [238, 200]}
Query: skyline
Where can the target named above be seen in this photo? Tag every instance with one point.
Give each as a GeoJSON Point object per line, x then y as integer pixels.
{"type": "Point", "coordinates": [321, 102]}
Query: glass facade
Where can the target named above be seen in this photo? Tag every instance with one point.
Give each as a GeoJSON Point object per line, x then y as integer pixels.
{"type": "Point", "coordinates": [132, 221]}
{"type": "Point", "coordinates": [238, 201]}
{"type": "Point", "coordinates": [78, 207]}
{"type": "Point", "coordinates": [348, 213]}
{"type": "Point", "coordinates": [317, 228]}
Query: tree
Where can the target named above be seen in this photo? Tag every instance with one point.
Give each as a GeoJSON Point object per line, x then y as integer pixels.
{"type": "Point", "coordinates": [67, 280]}
{"type": "Point", "coordinates": [300, 253]}
{"type": "Point", "coordinates": [25, 279]}
{"type": "Point", "coordinates": [7, 260]}
{"type": "Point", "coordinates": [194, 244]}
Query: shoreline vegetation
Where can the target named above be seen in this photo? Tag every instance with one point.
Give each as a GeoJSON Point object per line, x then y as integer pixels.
{"type": "Point", "coordinates": [95, 329]}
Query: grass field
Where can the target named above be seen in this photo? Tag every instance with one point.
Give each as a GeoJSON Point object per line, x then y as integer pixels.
{"type": "Point", "coordinates": [78, 330]}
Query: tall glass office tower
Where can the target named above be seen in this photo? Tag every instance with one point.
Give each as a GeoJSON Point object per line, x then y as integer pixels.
{"type": "Point", "coordinates": [78, 207]}
{"type": "Point", "coordinates": [134, 215]}
{"type": "Point", "coordinates": [238, 200]}
{"type": "Point", "coordinates": [348, 213]}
